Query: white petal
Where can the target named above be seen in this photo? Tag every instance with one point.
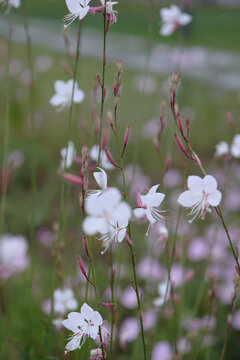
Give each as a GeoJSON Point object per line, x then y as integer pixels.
{"type": "Point", "coordinates": [110, 199]}
{"type": "Point", "coordinates": [73, 322]}
{"type": "Point", "coordinates": [101, 178]}
{"type": "Point", "coordinates": [167, 29]}
{"type": "Point", "coordinates": [153, 189]}
{"type": "Point", "coordinates": [87, 311]}
{"type": "Point", "coordinates": [74, 343]}
{"type": "Point", "coordinates": [184, 19]}
{"type": "Point", "coordinates": [195, 184]}
{"type": "Point", "coordinates": [83, 12]}
{"type": "Point", "coordinates": [93, 332]}
{"type": "Point", "coordinates": [157, 199]}
{"type": "Point", "coordinates": [214, 198]}
{"type": "Point", "coordinates": [60, 86]}
{"type": "Point", "coordinates": [56, 100]}
{"type": "Point", "coordinates": [94, 205]}
{"type": "Point", "coordinates": [123, 211]}
{"type": "Point", "coordinates": [121, 235]}
{"type": "Point", "coordinates": [90, 225]}
{"type": "Point", "coordinates": [78, 96]}
{"type": "Point", "coordinates": [96, 318]}
{"type": "Point", "coordinates": [209, 184]}
{"type": "Point", "coordinates": [139, 213]}
{"type": "Point", "coordinates": [187, 199]}
{"type": "Point", "coordinates": [150, 218]}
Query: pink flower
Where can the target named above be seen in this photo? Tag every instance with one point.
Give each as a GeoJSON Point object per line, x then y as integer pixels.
{"type": "Point", "coordinates": [162, 350]}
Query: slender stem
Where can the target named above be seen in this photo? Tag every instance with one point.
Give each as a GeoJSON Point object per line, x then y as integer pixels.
{"type": "Point", "coordinates": [103, 83]}
{"type": "Point", "coordinates": [6, 129]}
{"type": "Point", "coordinates": [112, 301]}
{"type": "Point", "coordinates": [63, 191]}
{"type": "Point", "coordinates": [133, 257]}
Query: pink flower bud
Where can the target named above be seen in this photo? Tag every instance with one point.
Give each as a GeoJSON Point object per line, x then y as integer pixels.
{"type": "Point", "coordinates": [81, 265]}
{"type": "Point", "coordinates": [126, 138]}
{"type": "Point", "coordinates": [85, 243]}
{"type": "Point", "coordinates": [189, 275]}
{"type": "Point", "coordinates": [110, 158]}
{"type": "Point", "coordinates": [168, 162]}
{"type": "Point", "coordinates": [72, 178]}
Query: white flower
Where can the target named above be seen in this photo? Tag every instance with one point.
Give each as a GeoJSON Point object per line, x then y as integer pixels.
{"type": "Point", "coordinates": [111, 14]}
{"type": "Point", "coordinates": [164, 292]}
{"type": "Point", "coordinates": [235, 148]}
{"type": "Point", "coordinates": [13, 255]}
{"type": "Point", "coordinates": [149, 204]}
{"type": "Point", "coordinates": [103, 157]}
{"type": "Point", "coordinates": [64, 300]}
{"type": "Point", "coordinates": [222, 149]}
{"type": "Point", "coordinates": [107, 215]}
{"type": "Point", "coordinates": [84, 324]}
{"type": "Point", "coordinates": [77, 9]}
{"type": "Point", "coordinates": [11, 3]}
{"type": "Point", "coordinates": [63, 96]}
{"type": "Point", "coordinates": [172, 18]}
{"type": "Point", "coordinates": [69, 153]}
{"type": "Point", "coordinates": [202, 193]}
{"type": "Point", "coordinates": [101, 179]}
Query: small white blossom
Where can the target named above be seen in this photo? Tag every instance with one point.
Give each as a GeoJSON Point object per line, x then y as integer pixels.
{"type": "Point", "coordinates": [105, 163]}
{"type": "Point", "coordinates": [107, 215]}
{"type": "Point", "coordinates": [164, 292]}
{"type": "Point", "coordinates": [68, 153]}
{"type": "Point", "coordinates": [83, 325]}
{"type": "Point", "coordinates": [11, 3]}
{"type": "Point", "coordinates": [235, 147]}
{"type": "Point", "coordinates": [222, 149]}
{"type": "Point", "coordinates": [202, 193]}
{"type": "Point", "coordinates": [63, 96]}
{"type": "Point", "coordinates": [111, 14]}
{"type": "Point", "coordinates": [149, 206]}
{"type": "Point", "coordinates": [77, 9]}
{"type": "Point", "coordinates": [172, 18]}
{"type": "Point", "coordinates": [64, 301]}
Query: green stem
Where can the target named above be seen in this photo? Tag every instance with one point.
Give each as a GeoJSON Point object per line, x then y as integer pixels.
{"type": "Point", "coordinates": [6, 130]}
{"type": "Point", "coordinates": [112, 301]}
{"type": "Point", "coordinates": [103, 83]}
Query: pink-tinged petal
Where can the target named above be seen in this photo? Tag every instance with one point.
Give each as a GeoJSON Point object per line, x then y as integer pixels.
{"type": "Point", "coordinates": [209, 184]}
{"type": "Point", "coordinates": [73, 322]}
{"type": "Point", "coordinates": [121, 235]}
{"type": "Point", "coordinates": [184, 19]}
{"type": "Point", "coordinates": [56, 100]}
{"type": "Point", "coordinates": [96, 318]}
{"type": "Point", "coordinates": [187, 199]}
{"type": "Point", "coordinates": [214, 198]}
{"type": "Point", "coordinates": [74, 343]}
{"type": "Point", "coordinates": [101, 178]}
{"type": "Point", "coordinates": [139, 213]}
{"type": "Point", "coordinates": [167, 29]}
{"type": "Point", "coordinates": [195, 184]}
{"type": "Point", "coordinates": [86, 311]}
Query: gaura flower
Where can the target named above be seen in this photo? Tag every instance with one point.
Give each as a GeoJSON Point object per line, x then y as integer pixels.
{"type": "Point", "coordinates": [111, 14]}
{"type": "Point", "coordinates": [101, 179]}
{"type": "Point", "coordinates": [69, 153]}
{"type": "Point", "coordinates": [164, 292]}
{"type": "Point", "coordinates": [222, 149]}
{"type": "Point", "coordinates": [235, 147]}
{"type": "Point", "coordinates": [107, 215]}
{"type": "Point", "coordinates": [63, 96]}
{"type": "Point", "coordinates": [77, 9]}
{"type": "Point", "coordinates": [83, 325]}
{"type": "Point", "coordinates": [11, 3]}
{"type": "Point", "coordinates": [148, 206]}
{"type": "Point", "coordinates": [202, 193]}
{"type": "Point", "coordinates": [172, 18]}
{"type": "Point", "coordinates": [64, 300]}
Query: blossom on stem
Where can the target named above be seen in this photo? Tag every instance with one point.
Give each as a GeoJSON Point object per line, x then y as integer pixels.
{"type": "Point", "coordinates": [222, 149]}
{"type": "Point", "coordinates": [101, 179]}
{"type": "Point", "coordinates": [11, 3]}
{"type": "Point", "coordinates": [64, 300]}
{"type": "Point", "coordinates": [107, 215]}
{"type": "Point", "coordinates": [83, 325]}
{"type": "Point", "coordinates": [67, 155]}
{"type": "Point", "coordinates": [202, 193]}
{"type": "Point", "coordinates": [77, 9]}
{"type": "Point", "coordinates": [148, 205]}
{"type": "Point", "coordinates": [164, 293]}
{"type": "Point", "coordinates": [63, 96]}
{"type": "Point", "coordinates": [235, 147]}
{"type": "Point", "coordinates": [111, 14]}
{"type": "Point", "coordinates": [172, 18]}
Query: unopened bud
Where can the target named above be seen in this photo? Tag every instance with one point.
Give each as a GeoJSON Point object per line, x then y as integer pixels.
{"type": "Point", "coordinates": [168, 162]}
{"type": "Point", "coordinates": [126, 138]}
{"type": "Point", "coordinates": [72, 178]}
{"type": "Point", "coordinates": [85, 243]}
{"type": "Point", "coordinates": [110, 158]}
{"type": "Point", "coordinates": [81, 265]}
